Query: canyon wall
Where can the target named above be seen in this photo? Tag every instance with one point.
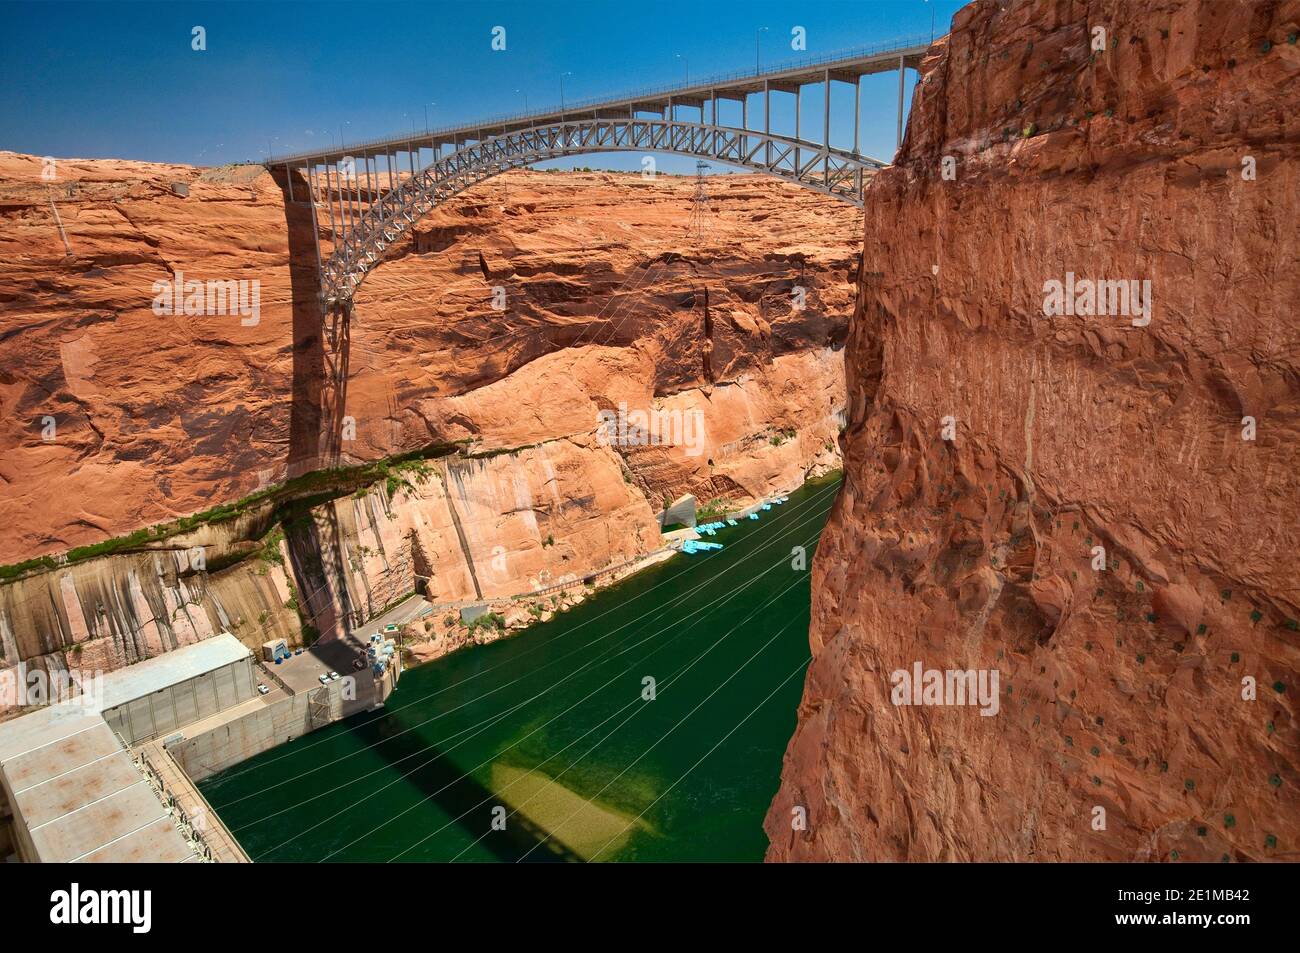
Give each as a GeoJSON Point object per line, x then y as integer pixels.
{"type": "Point", "coordinates": [1099, 509]}
{"type": "Point", "coordinates": [117, 419]}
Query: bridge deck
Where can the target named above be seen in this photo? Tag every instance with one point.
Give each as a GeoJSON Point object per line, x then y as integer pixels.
{"type": "Point", "coordinates": [844, 66]}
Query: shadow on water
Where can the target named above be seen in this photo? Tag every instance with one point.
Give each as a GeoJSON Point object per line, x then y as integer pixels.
{"type": "Point", "coordinates": [534, 724]}
{"type": "Point", "coordinates": [441, 782]}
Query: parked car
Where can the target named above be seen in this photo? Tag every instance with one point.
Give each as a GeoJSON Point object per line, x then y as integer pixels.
{"type": "Point", "coordinates": [334, 676]}
{"type": "Point", "coordinates": [324, 679]}
{"type": "Point", "coordinates": [262, 689]}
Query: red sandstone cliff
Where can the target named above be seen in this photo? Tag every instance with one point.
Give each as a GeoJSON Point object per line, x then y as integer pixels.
{"type": "Point", "coordinates": [609, 303]}
{"type": "Point", "coordinates": [1120, 689]}
{"type": "Point", "coordinates": [608, 300]}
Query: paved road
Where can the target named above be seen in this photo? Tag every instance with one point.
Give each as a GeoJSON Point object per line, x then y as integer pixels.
{"type": "Point", "coordinates": [302, 672]}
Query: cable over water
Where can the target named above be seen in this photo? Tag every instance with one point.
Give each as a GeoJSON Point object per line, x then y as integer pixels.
{"type": "Point", "coordinates": [592, 769]}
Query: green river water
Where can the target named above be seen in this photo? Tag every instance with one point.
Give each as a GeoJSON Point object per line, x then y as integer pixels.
{"type": "Point", "coordinates": [547, 734]}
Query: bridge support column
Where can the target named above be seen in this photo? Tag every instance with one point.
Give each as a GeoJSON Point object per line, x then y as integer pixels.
{"type": "Point", "coordinates": [354, 196]}
{"type": "Point", "coordinates": [798, 101]}
{"type": "Point", "coordinates": [365, 165]}
{"type": "Point", "coordinates": [345, 207]}
{"type": "Point", "coordinates": [767, 123]}
{"type": "Point", "coordinates": [902, 71]}
{"type": "Point", "coordinates": [826, 132]}
{"type": "Point", "coordinates": [334, 190]}
{"type": "Point", "coordinates": [329, 198]}
{"type": "Point", "coordinates": [857, 111]}
{"type": "Point", "coordinates": [315, 226]}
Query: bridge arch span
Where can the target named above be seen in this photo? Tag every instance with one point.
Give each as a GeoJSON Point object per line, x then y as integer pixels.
{"type": "Point", "coordinates": [375, 215]}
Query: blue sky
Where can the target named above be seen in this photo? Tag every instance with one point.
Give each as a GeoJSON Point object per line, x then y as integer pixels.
{"type": "Point", "coordinates": [121, 80]}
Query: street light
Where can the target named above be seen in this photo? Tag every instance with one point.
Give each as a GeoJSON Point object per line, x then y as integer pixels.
{"type": "Point", "coordinates": [686, 64]}
{"type": "Point", "coordinates": [426, 115]}
{"type": "Point", "coordinates": [562, 107]}
{"type": "Point", "coordinates": [761, 29]}
{"type": "Point", "coordinates": [525, 92]}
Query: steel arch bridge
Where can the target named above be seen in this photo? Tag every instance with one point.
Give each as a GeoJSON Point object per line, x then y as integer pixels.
{"type": "Point", "coordinates": [363, 200]}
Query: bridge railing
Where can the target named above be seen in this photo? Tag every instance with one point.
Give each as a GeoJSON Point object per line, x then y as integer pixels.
{"type": "Point", "coordinates": [719, 79]}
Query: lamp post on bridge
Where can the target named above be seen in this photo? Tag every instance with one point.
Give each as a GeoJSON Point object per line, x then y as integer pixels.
{"type": "Point", "coordinates": [525, 92]}
{"type": "Point", "coordinates": [426, 115]}
{"type": "Point", "coordinates": [686, 65]}
{"type": "Point", "coordinates": [761, 29]}
{"type": "Point", "coordinates": [562, 106]}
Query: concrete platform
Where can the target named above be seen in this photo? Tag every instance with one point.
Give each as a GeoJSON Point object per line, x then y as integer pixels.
{"type": "Point", "coordinates": [77, 796]}
{"type": "Point", "coordinates": [225, 849]}
{"type": "Point", "coordinates": [301, 673]}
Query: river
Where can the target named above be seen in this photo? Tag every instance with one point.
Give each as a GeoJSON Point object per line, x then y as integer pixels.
{"type": "Point", "coordinates": [646, 724]}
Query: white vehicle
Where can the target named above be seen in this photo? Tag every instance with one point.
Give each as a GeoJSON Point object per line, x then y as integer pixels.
{"type": "Point", "coordinates": [262, 689]}
{"type": "Point", "coordinates": [334, 676]}
{"type": "Point", "coordinates": [324, 679]}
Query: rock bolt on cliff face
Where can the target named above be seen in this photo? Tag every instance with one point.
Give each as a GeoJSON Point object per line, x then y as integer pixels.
{"type": "Point", "coordinates": [1084, 495]}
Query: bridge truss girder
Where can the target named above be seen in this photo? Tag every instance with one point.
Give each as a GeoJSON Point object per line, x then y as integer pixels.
{"type": "Point", "coordinates": [372, 216]}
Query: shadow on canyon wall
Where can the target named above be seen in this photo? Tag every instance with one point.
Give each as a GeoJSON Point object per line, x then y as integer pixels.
{"type": "Point", "coordinates": [321, 342]}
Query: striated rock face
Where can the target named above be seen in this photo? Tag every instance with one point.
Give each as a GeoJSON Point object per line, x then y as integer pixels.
{"type": "Point", "coordinates": [111, 612]}
{"type": "Point", "coordinates": [1155, 677]}
{"type": "Point", "coordinates": [609, 308]}
{"type": "Point", "coordinates": [159, 416]}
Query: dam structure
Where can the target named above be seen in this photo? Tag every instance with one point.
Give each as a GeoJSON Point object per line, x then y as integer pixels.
{"type": "Point", "coordinates": [109, 775]}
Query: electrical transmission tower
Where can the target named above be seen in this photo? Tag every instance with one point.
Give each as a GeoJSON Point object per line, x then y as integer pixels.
{"type": "Point", "coordinates": [699, 223]}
